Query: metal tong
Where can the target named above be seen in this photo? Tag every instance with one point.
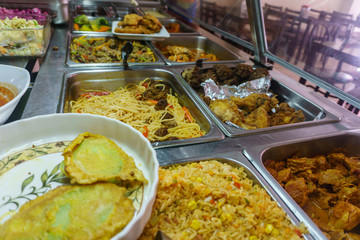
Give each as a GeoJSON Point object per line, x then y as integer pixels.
{"type": "Point", "coordinates": [126, 50]}
{"type": "Point", "coordinates": [136, 4]}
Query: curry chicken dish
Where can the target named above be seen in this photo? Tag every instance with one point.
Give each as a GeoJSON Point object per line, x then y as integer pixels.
{"type": "Point", "coordinates": [255, 111]}
{"type": "Point", "coordinates": [326, 187]}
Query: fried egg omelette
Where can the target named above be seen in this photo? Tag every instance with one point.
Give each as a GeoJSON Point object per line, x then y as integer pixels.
{"type": "Point", "coordinates": [96, 211]}
{"type": "Point", "coordinates": [92, 158]}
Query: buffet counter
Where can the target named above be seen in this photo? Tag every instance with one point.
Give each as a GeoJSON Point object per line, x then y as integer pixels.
{"type": "Point", "coordinates": [324, 118]}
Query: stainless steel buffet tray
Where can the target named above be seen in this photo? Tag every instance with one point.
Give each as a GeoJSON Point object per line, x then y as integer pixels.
{"type": "Point", "coordinates": [109, 19]}
{"type": "Point", "coordinates": [184, 29]}
{"type": "Point", "coordinates": [157, 11]}
{"type": "Point", "coordinates": [70, 63]}
{"type": "Point", "coordinates": [348, 141]}
{"type": "Point", "coordinates": [198, 43]}
{"type": "Point", "coordinates": [237, 159]}
{"type": "Point", "coordinates": [314, 114]}
{"type": "Point", "coordinates": [76, 83]}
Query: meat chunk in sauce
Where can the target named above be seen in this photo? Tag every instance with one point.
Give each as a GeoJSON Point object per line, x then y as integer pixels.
{"type": "Point", "coordinates": [331, 177]}
{"type": "Point", "coordinates": [298, 191]}
{"type": "Point", "coordinates": [327, 187]}
{"type": "Point", "coordinates": [345, 216]}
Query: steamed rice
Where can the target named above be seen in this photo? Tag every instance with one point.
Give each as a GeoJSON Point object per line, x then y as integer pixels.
{"type": "Point", "coordinates": [212, 200]}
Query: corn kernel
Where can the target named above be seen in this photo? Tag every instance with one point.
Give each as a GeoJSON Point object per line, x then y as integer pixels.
{"type": "Point", "coordinates": [195, 224]}
{"type": "Point", "coordinates": [275, 232]}
{"type": "Point", "coordinates": [176, 175]}
{"type": "Point", "coordinates": [269, 228]}
{"type": "Point", "coordinates": [192, 205]}
{"type": "Point", "coordinates": [223, 217]}
{"type": "Point", "coordinates": [199, 180]}
{"type": "Point", "coordinates": [253, 238]}
{"type": "Point", "coordinates": [229, 217]}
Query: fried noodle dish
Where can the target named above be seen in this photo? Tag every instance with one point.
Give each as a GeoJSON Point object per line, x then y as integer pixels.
{"type": "Point", "coordinates": [213, 200]}
{"type": "Point", "coordinates": [107, 50]}
{"type": "Point", "coordinates": [135, 24]}
{"type": "Point", "coordinates": [326, 187]}
{"type": "Point", "coordinates": [148, 106]}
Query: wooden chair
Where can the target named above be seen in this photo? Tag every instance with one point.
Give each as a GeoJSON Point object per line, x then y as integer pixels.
{"type": "Point", "coordinates": [290, 34]}
{"type": "Point", "coordinates": [273, 16]}
{"type": "Point", "coordinates": [211, 13]}
{"type": "Point", "coordinates": [320, 14]}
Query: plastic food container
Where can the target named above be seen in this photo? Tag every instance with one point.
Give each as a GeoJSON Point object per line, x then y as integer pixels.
{"type": "Point", "coordinates": [16, 79]}
{"type": "Point", "coordinates": [19, 41]}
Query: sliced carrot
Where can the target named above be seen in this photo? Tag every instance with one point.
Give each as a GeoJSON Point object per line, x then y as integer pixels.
{"type": "Point", "coordinates": [145, 131]}
{"type": "Point", "coordinates": [103, 28]}
{"type": "Point", "coordinates": [187, 114]}
{"type": "Point", "coordinates": [152, 102]}
{"type": "Point", "coordinates": [76, 27]}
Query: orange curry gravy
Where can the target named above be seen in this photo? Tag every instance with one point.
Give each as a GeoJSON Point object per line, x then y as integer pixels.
{"type": "Point", "coordinates": [6, 95]}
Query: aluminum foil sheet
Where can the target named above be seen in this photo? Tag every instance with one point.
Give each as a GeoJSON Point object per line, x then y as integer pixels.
{"type": "Point", "coordinates": [215, 91]}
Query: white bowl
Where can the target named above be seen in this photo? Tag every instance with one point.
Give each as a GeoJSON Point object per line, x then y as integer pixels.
{"type": "Point", "coordinates": [42, 136]}
{"type": "Point", "coordinates": [20, 78]}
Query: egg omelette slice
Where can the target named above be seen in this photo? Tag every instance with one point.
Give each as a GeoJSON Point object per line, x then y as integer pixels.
{"type": "Point", "coordinates": [92, 158]}
{"type": "Point", "coordinates": [97, 211]}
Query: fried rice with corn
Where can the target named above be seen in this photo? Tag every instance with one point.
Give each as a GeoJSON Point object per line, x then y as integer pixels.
{"type": "Point", "coordinates": [213, 200]}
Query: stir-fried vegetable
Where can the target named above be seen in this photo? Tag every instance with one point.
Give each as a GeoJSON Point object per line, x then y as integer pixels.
{"type": "Point", "coordinates": [82, 23]}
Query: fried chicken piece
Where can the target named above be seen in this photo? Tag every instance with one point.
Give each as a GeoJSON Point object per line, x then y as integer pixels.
{"type": "Point", "coordinates": [243, 71]}
{"type": "Point", "coordinates": [227, 111]}
{"type": "Point", "coordinates": [223, 72]}
{"type": "Point", "coordinates": [133, 30]}
{"type": "Point", "coordinates": [259, 73]}
{"type": "Point", "coordinates": [173, 28]}
{"type": "Point", "coordinates": [285, 114]}
{"type": "Point", "coordinates": [257, 119]}
{"type": "Point", "coordinates": [131, 20]}
{"type": "Point", "coordinates": [151, 22]}
{"type": "Point", "coordinates": [254, 101]}
{"type": "Point", "coordinates": [136, 24]}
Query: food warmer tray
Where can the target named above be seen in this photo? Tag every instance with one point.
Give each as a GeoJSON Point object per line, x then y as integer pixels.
{"type": "Point", "coordinates": [70, 63]}
{"type": "Point", "coordinates": [237, 159]}
{"type": "Point", "coordinates": [99, 10]}
{"type": "Point", "coordinates": [76, 83]}
{"type": "Point", "coordinates": [348, 141]}
{"type": "Point", "coordinates": [314, 114]}
{"type": "Point", "coordinates": [109, 13]}
{"type": "Point", "coordinates": [158, 12]}
{"type": "Point", "coordinates": [184, 29]}
{"type": "Point", "coordinates": [200, 43]}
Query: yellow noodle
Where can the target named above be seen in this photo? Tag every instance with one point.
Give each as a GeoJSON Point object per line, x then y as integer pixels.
{"type": "Point", "coordinates": [123, 105]}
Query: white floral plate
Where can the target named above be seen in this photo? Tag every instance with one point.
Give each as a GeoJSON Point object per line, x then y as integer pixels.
{"type": "Point", "coordinates": [31, 154]}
